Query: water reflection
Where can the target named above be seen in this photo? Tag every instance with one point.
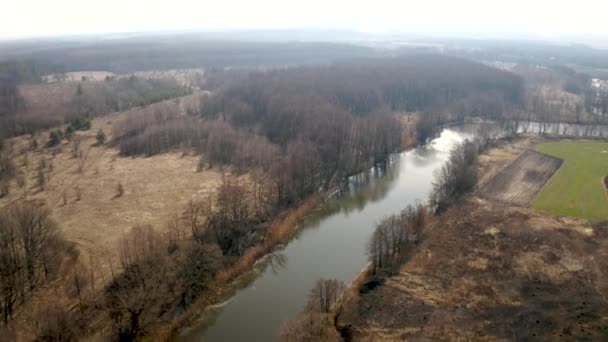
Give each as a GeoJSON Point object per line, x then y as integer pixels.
{"type": "Point", "coordinates": [277, 261]}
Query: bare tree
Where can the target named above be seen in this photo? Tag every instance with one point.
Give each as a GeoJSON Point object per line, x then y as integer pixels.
{"type": "Point", "coordinates": [197, 212]}
{"type": "Point", "coordinates": [394, 235]}
{"type": "Point", "coordinates": [325, 294]}
{"type": "Point", "coordinates": [57, 323]}
{"type": "Point", "coordinates": [457, 177]}
{"type": "Point", "coordinates": [309, 327]}
{"type": "Point", "coordinates": [228, 221]}
{"type": "Point", "coordinates": [31, 250]}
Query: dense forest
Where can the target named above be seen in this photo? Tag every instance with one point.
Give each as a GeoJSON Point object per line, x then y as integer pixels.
{"type": "Point", "coordinates": [176, 51]}
{"type": "Point", "coordinates": [26, 70]}
{"type": "Point", "coordinates": [309, 126]}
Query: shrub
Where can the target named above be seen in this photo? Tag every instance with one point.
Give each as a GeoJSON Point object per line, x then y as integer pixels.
{"type": "Point", "coordinates": [55, 137]}
{"type": "Point", "coordinates": [80, 123]}
{"type": "Point", "coordinates": [101, 137]}
{"type": "Point", "coordinates": [69, 131]}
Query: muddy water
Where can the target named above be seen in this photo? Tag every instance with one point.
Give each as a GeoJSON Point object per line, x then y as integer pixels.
{"type": "Point", "coordinates": [330, 244]}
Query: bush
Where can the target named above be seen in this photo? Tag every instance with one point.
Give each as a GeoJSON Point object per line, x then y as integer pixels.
{"type": "Point", "coordinates": [69, 131]}
{"type": "Point", "coordinates": [101, 137]}
{"type": "Point", "coordinates": [55, 137]}
{"type": "Point", "coordinates": [80, 123]}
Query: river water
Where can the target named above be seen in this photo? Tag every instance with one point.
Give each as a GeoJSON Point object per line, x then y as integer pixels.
{"type": "Point", "coordinates": [331, 243]}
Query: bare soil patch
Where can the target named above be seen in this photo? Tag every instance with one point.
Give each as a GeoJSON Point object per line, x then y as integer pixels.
{"type": "Point", "coordinates": [522, 179]}
{"type": "Point", "coordinates": [494, 160]}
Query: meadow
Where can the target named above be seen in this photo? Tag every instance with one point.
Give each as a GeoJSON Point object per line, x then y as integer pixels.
{"type": "Point", "coordinates": [577, 188]}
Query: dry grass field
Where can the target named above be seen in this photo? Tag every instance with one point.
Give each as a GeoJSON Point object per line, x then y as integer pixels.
{"type": "Point", "coordinates": [487, 272]}
{"type": "Point", "coordinates": [83, 191]}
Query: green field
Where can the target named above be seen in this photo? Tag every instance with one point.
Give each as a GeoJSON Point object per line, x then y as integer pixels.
{"type": "Point", "coordinates": [577, 188]}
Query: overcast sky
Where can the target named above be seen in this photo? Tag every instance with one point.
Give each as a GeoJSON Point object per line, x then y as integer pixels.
{"type": "Point", "coordinates": [27, 18]}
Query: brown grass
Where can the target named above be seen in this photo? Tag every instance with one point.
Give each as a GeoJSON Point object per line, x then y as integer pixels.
{"type": "Point", "coordinates": [487, 271]}
{"type": "Point", "coordinates": [490, 272]}
{"type": "Point", "coordinates": [156, 189]}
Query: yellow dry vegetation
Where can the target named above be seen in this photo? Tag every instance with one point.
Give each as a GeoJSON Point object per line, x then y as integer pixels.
{"type": "Point", "coordinates": [83, 191]}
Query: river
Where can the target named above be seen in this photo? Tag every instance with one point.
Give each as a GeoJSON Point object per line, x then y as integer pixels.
{"type": "Point", "coordinates": [331, 243]}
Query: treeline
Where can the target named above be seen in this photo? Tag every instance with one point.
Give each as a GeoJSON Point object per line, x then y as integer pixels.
{"type": "Point", "coordinates": [457, 177]}
{"type": "Point", "coordinates": [118, 94]}
{"type": "Point", "coordinates": [360, 87]}
{"type": "Point", "coordinates": [158, 277]}
{"type": "Point", "coordinates": [8, 169]}
{"type": "Point", "coordinates": [11, 102]}
{"type": "Point", "coordinates": [31, 253]}
{"type": "Point", "coordinates": [316, 322]}
{"type": "Point", "coordinates": [162, 275]}
{"type": "Point", "coordinates": [344, 112]}
{"type": "Point", "coordinates": [36, 107]}
{"type": "Point", "coordinates": [181, 51]}
{"type": "Point", "coordinates": [299, 166]}
{"type": "Point", "coordinates": [390, 243]}
{"type": "Point", "coordinates": [154, 279]}
{"type": "Point", "coordinates": [26, 71]}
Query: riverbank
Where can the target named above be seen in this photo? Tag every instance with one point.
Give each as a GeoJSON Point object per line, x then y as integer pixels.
{"type": "Point", "coordinates": [487, 271]}
{"type": "Point", "coordinates": [330, 243]}
{"type": "Point", "coordinates": [227, 282]}
{"type": "Point", "coordinates": [220, 290]}
{"type": "Point", "coordinates": [500, 271]}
